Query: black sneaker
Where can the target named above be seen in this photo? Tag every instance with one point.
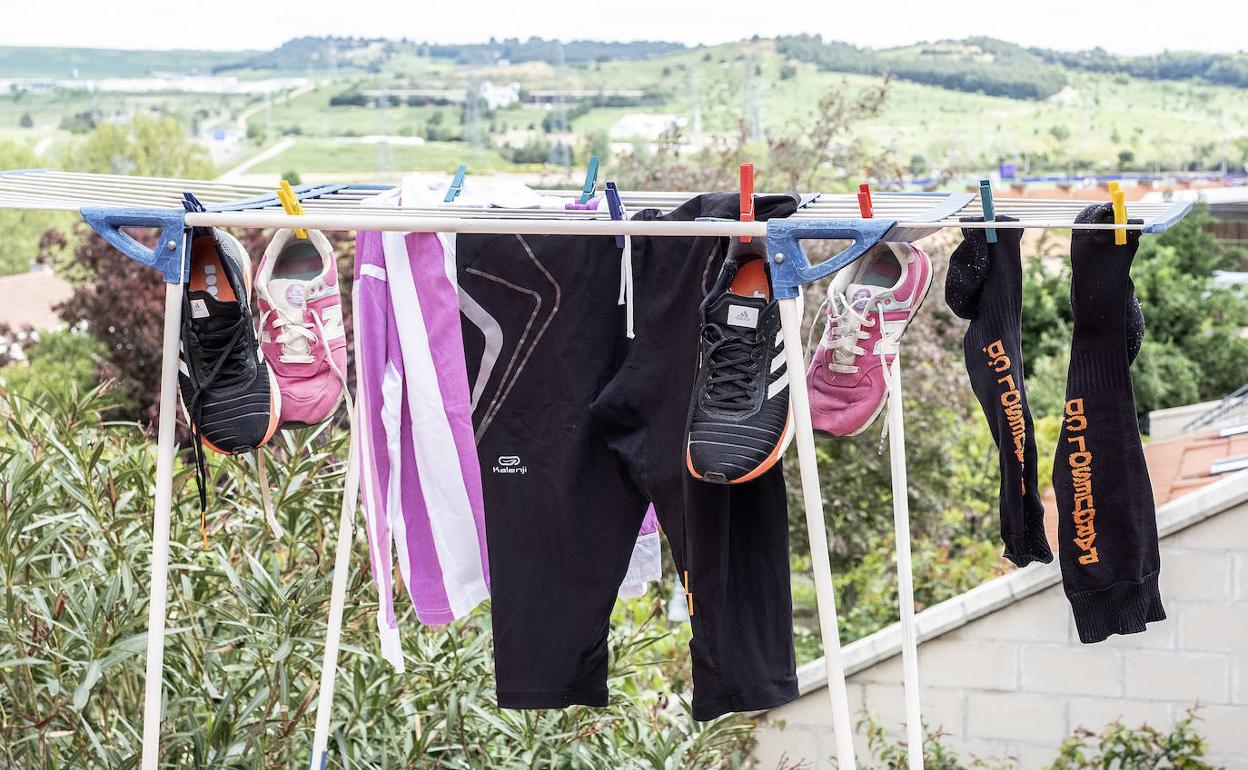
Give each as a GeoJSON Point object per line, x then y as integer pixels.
{"type": "Point", "coordinates": [229, 395]}
{"type": "Point", "coordinates": [739, 419]}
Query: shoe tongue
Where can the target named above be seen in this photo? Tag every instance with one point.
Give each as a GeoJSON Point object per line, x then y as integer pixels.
{"type": "Point", "coordinates": [738, 316]}
{"type": "Point", "coordinates": [209, 312]}
{"type": "Point", "coordinates": [857, 294]}
{"type": "Point", "coordinates": [289, 293]}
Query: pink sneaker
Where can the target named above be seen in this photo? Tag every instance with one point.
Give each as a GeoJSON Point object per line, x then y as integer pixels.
{"type": "Point", "coordinates": [847, 380]}
{"type": "Point", "coordinates": [301, 331]}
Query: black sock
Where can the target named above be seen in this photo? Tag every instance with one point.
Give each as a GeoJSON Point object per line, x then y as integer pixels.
{"type": "Point", "coordinates": [1107, 524]}
{"type": "Point", "coordinates": [985, 285]}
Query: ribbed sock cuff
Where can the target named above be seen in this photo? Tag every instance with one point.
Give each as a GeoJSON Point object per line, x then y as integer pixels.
{"type": "Point", "coordinates": [1122, 608]}
{"type": "Point", "coordinates": [1031, 545]}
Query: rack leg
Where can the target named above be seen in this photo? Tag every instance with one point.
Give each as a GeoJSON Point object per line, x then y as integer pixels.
{"type": "Point", "coordinates": [159, 580]}
{"type": "Point", "coordinates": [791, 323]}
{"type": "Point", "coordinates": [337, 600]}
{"type": "Point", "coordinates": [905, 574]}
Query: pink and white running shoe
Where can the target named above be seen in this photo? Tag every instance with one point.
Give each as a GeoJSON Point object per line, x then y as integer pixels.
{"type": "Point", "coordinates": [301, 331]}
{"type": "Point", "coordinates": [871, 303]}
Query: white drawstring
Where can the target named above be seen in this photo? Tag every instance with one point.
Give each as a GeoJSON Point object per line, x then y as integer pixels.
{"type": "Point", "coordinates": [626, 281]}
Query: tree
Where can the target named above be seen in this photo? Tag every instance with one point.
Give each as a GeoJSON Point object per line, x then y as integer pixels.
{"type": "Point", "coordinates": [26, 121]}
{"type": "Point", "coordinates": [146, 146]}
{"type": "Point", "coordinates": [1192, 347]}
{"type": "Point", "coordinates": [20, 230]}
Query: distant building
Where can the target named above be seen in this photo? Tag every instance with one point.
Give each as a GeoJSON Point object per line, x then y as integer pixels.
{"type": "Point", "coordinates": [643, 125]}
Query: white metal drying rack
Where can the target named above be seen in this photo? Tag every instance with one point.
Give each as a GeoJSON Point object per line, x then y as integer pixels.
{"type": "Point", "coordinates": [110, 202]}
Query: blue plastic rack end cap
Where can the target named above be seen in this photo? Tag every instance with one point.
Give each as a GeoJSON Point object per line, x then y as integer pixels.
{"type": "Point", "coordinates": [167, 255]}
{"type": "Point", "coordinates": [591, 180]}
{"type": "Point", "coordinates": [789, 266]}
{"type": "Point", "coordinates": [990, 210]}
{"type": "Point", "coordinates": [616, 208]}
{"type": "Point", "coordinates": [457, 184]}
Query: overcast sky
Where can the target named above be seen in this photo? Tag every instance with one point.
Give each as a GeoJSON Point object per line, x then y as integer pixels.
{"type": "Point", "coordinates": [1123, 26]}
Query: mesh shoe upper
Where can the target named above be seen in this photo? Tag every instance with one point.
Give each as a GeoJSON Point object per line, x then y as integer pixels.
{"type": "Point", "coordinates": [870, 305]}
{"type": "Point", "coordinates": [739, 416]}
{"type": "Point", "coordinates": [227, 390]}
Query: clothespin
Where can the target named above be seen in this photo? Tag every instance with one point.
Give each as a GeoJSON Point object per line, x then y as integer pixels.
{"type": "Point", "coordinates": [864, 201]}
{"type": "Point", "coordinates": [1119, 199]}
{"type": "Point", "coordinates": [292, 206]}
{"type": "Point", "coordinates": [990, 211]}
{"type": "Point", "coordinates": [591, 180]}
{"type": "Point", "coordinates": [616, 208]}
{"type": "Point", "coordinates": [747, 196]}
{"type": "Point", "coordinates": [457, 184]}
{"type": "Point", "coordinates": [191, 203]}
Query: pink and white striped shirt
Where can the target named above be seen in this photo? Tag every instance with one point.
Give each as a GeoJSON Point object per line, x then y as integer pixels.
{"type": "Point", "coordinates": [421, 481]}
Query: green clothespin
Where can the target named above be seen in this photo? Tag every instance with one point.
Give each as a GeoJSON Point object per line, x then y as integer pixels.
{"type": "Point", "coordinates": [990, 211]}
{"type": "Point", "coordinates": [591, 180]}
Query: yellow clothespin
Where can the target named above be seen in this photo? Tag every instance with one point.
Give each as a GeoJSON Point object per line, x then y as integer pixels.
{"type": "Point", "coordinates": [290, 202]}
{"type": "Point", "coordinates": [1119, 199]}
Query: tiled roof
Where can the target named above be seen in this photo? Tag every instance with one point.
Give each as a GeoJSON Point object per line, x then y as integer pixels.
{"type": "Point", "coordinates": [1176, 467]}
{"type": "Point", "coordinates": [28, 299]}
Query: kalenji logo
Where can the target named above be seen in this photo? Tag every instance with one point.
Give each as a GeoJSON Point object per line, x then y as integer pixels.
{"type": "Point", "coordinates": [510, 464]}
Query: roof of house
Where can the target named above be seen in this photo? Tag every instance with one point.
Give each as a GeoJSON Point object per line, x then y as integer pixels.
{"type": "Point", "coordinates": [1176, 467]}
{"type": "Point", "coordinates": [1186, 492]}
{"type": "Point", "coordinates": [30, 299]}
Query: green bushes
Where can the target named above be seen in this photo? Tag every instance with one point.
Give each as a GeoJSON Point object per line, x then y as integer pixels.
{"type": "Point", "coordinates": [246, 626]}
{"type": "Point", "coordinates": [1114, 747]}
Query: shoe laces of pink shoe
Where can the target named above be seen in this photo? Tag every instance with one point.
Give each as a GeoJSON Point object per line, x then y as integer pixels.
{"type": "Point", "coordinates": [846, 322]}
{"type": "Point", "coordinates": [295, 335]}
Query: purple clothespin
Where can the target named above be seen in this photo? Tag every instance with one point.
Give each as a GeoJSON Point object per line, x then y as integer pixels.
{"type": "Point", "coordinates": [616, 208]}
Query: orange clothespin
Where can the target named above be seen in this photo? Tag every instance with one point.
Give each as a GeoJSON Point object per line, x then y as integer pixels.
{"type": "Point", "coordinates": [864, 201]}
{"type": "Point", "coordinates": [747, 196]}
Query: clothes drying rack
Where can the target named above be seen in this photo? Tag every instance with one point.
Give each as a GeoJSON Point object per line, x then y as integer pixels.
{"type": "Point", "coordinates": [110, 203]}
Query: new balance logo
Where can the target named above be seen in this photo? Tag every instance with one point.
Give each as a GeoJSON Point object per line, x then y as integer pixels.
{"type": "Point", "coordinates": [890, 337]}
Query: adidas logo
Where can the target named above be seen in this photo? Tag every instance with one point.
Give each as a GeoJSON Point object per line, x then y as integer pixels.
{"type": "Point", "coordinates": [742, 316]}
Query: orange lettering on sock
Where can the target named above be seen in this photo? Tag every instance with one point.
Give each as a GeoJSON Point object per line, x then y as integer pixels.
{"type": "Point", "coordinates": [1083, 512]}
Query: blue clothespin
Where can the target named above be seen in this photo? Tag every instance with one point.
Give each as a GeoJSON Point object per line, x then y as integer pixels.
{"type": "Point", "coordinates": [192, 204]}
{"type": "Point", "coordinates": [616, 208]}
{"type": "Point", "coordinates": [457, 184]}
{"type": "Point", "coordinates": [591, 180]}
{"type": "Point", "coordinates": [990, 211]}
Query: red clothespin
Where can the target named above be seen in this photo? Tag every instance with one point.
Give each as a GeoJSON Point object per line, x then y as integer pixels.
{"type": "Point", "coordinates": [747, 196]}
{"type": "Point", "coordinates": [864, 201]}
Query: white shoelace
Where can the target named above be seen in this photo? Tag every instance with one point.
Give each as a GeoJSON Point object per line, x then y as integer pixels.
{"type": "Point", "coordinates": [270, 514]}
{"type": "Point", "coordinates": [845, 329]}
{"type": "Point", "coordinates": [294, 335]}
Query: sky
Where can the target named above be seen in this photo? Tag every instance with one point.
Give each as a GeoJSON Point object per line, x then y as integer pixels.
{"type": "Point", "coordinates": [1121, 26]}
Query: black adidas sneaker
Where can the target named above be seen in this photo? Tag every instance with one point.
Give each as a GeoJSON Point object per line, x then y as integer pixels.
{"type": "Point", "coordinates": [739, 420]}
{"type": "Point", "coordinates": [229, 396]}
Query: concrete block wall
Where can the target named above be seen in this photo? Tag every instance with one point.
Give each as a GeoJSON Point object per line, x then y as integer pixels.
{"type": "Point", "coordinates": [1014, 683]}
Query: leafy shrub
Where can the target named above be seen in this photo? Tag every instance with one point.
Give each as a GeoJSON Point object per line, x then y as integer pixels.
{"type": "Point", "coordinates": [246, 627]}
{"type": "Point", "coordinates": [1115, 747]}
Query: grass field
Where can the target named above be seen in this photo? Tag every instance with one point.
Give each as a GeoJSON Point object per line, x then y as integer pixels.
{"type": "Point", "coordinates": [35, 62]}
{"type": "Point", "coordinates": [330, 156]}
{"type": "Point", "coordinates": [1096, 123]}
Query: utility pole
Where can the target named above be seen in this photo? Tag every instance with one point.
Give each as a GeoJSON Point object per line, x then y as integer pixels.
{"type": "Point", "coordinates": [560, 153]}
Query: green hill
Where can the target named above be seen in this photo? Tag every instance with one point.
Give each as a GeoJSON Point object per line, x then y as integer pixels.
{"type": "Point", "coordinates": [33, 62]}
